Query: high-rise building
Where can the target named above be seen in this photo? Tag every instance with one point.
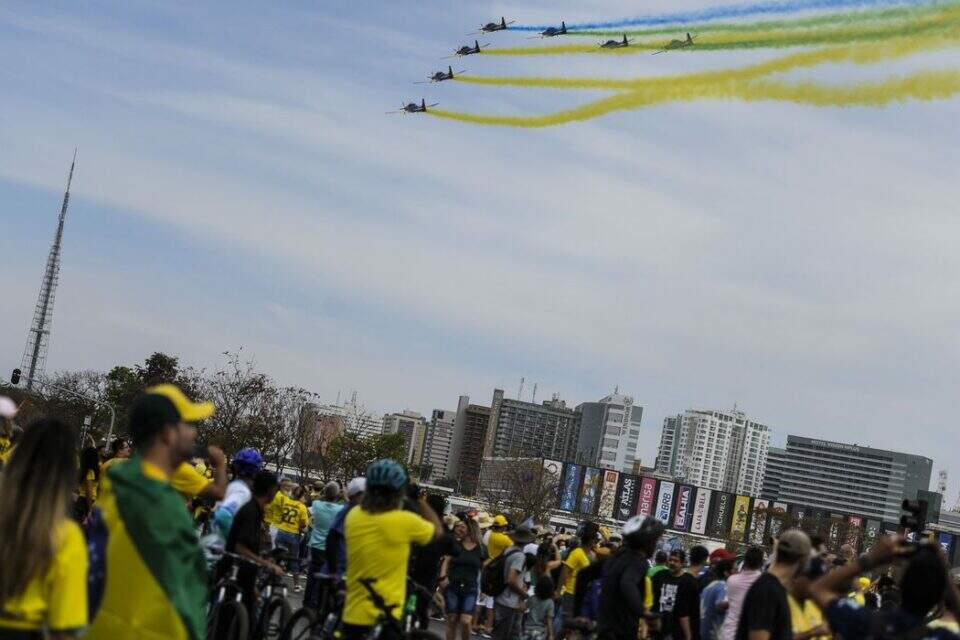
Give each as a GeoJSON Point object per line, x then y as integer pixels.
{"type": "Point", "coordinates": [773, 478]}
{"type": "Point", "coordinates": [437, 445]}
{"type": "Point", "coordinates": [521, 429]}
{"type": "Point", "coordinates": [466, 445]}
{"type": "Point", "coordinates": [609, 432]}
{"type": "Point", "coordinates": [848, 478]}
{"type": "Point", "coordinates": [715, 449]}
{"type": "Point", "coordinates": [351, 417]}
{"type": "Point", "coordinates": [413, 428]}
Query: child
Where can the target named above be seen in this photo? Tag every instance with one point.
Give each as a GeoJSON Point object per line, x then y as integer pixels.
{"type": "Point", "coordinates": [540, 609]}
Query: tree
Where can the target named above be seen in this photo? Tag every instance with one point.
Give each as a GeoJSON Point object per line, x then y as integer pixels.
{"type": "Point", "coordinates": [518, 488]}
{"type": "Point", "coordinates": [353, 453]}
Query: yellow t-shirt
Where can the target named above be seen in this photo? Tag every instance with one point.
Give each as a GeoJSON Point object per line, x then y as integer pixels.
{"type": "Point", "coordinates": [576, 561]}
{"type": "Point", "coordinates": [6, 446]}
{"type": "Point", "coordinates": [805, 617]}
{"type": "Point", "coordinates": [57, 600]}
{"type": "Point", "coordinates": [187, 481]}
{"type": "Point", "coordinates": [497, 543]}
{"type": "Point", "coordinates": [109, 463]}
{"type": "Point", "coordinates": [378, 547]}
{"type": "Point", "coordinates": [287, 514]}
{"type": "Point", "coordinates": [91, 479]}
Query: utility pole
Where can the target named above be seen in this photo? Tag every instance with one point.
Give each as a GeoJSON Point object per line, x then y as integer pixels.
{"type": "Point", "coordinates": [38, 340]}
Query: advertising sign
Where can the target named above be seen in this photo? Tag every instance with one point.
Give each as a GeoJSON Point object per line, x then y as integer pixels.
{"type": "Point", "coordinates": [854, 531]}
{"type": "Point", "coordinates": [626, 495]}
{"type": "Point", "coordinates": [721, 514]}
{"type": "Point", "coordinates": [741, 514]}
{"type": "Point", "coordinates": [758, 524]}
{"type": "Point", "coordinates": [701, 511]}
{"type": "Point", "coordinates": [834, 531]}
{"type": "Point", "coordinates": [778, 516]}
{"type": "Point", "coordinates": [870, 533]}
{"type": "Point", "coordinates": [947, 542]}
{"type": "Point", "coordinates": [590, 492]}
{"type": "Point", "coordinates": [570, 487]}
{"type": "Point", "coordinates": [608, 493]}
{"type": "Point", "coordinates": [684, 509]}
{"type": "Point", "coordinates": [800, 516]}
{"type": "Point", "coordinates": [647, 498]}
{"type": "Point", "coordinates": [665, 502]}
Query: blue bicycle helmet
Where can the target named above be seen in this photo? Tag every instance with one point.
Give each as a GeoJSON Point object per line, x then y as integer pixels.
{"type": "Point", "coordinates": [387, 474]}
{"type": "Point", "coordinates": [247, 461]}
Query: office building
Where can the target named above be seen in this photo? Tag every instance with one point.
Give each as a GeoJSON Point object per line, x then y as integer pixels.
{"type": "Point", "coordinates": [773, 478]}
{"type": "Point", "coordinates": [437, 445]}
{"type": "Point", "coordinates": [466, 446]}
{"type": "Point", "coordinates": [849, 478]}
{"type": "Point", "coordinates": [716, 449]}
{"type": "Point", "coordinates": [609, 433]}
{"type": "Point", "coordinates": [521, 429]}
{"type": "Point", "coordinates": [413, 428]}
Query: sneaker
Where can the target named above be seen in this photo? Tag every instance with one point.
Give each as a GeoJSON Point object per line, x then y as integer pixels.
{"type": "Point", "coordinates": [485, 633]}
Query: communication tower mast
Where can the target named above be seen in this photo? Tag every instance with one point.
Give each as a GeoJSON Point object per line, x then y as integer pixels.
{"type": "Point", "coordinates": [38, 340]}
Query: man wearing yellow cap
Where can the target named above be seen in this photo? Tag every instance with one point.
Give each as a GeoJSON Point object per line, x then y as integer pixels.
{"type": "Point", "coordinates": [147, 573]}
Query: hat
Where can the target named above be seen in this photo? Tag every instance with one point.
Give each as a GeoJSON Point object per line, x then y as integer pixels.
{"type": "Point", "coordinates": [500, 521]}
{"type": "Point", "coordinates": [522, 535]}
{"type": "Point", "coordinates": [484, 521]}
{"type": "Point", "coordinates": [863, 582]}
{"type": "Point", "coordinates": [8, 408]}
{"type": "Point", "coordinates": [794, 542]}
{"type": "Point", "coordinates": [355, 486]}
{"type": "Point", "coordinates": [720, 554]}
{"type": "Point", "coordinates": [189, 411]}
{"type": "Point", "coordinates": [451, 520]}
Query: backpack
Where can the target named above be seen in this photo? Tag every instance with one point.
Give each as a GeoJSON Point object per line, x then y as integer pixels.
{"type": "Point", "coordinates": [493, 580]}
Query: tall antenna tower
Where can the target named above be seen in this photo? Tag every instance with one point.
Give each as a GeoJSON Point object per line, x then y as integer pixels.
{"type": "Point", "coordinates": [38, 340]}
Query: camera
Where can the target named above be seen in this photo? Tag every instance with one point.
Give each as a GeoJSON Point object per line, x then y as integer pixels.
{"type": "Point", "coordinates": [414, 491]}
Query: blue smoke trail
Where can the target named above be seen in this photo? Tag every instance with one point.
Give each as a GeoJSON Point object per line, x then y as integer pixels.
{"type": "Point", "coordinates": [730, 11]}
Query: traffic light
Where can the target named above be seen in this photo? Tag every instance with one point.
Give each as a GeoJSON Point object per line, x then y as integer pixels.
{"type": "Point", "coordinates": [15, 376]}
{"type": "Point", "coordinates": [917, 518]}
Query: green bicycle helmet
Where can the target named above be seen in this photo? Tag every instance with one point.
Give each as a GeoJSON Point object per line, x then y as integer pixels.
{"type": "Point", "coordinates": [387, 474]}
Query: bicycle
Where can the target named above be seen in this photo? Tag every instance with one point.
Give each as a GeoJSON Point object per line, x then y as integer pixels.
{"type": "Point", "coordinates": [228, 618]}
{"type": "Point", "coordinates": [402, 628]}
{"type": "Point", "coordinates": [318, 624]}
{"type": "Point", "coordinates": [275, 611]}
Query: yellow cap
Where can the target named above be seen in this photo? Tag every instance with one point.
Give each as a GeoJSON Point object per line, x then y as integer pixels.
{"type": "Point", "coordinates": [189, 411]}
{"type": "Point", "coordinates": [864, 582]}
{"type": "Point", "coordinates": [500, 521]}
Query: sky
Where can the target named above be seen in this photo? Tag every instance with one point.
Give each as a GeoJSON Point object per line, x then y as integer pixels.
{"type": "Point", "coordinates": [239, 185]}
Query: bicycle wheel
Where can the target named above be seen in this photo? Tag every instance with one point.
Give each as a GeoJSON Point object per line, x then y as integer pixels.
{"type": "Point", "coordinates": [273, 620]}
{"type": "Point", "coordinates": [300, 625]}
{"type": "Point", "coordinates": [421, 634]}
{"type": "Point", "coordinates": [229, 621]}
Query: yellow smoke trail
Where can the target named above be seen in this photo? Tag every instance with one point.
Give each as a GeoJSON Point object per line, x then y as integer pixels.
{"type": "Point", "coordinates": [921, 85]}
{"type": "Point", "coordinates": [861, 54]}
{"type": "Point", "coordinates": [942, 20]}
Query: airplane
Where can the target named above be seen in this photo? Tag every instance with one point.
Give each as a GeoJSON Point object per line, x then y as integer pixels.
{"type": "Point", "coordinates": [490, 27]}
{"type": "Point", "coordinates": [440, 76]}
{"type": "Point", "coordinates": [615, 44]}
{"type": "Point", "coordinates": [677, 44]}
{"type": "Point", "coordinates": [467, 50]}
{"type": "Point", "coordinates": [550, 32]}
{"type": "Point", "coordinates": [413, 107]}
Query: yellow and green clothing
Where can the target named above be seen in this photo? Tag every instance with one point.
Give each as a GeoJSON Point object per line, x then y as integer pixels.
{"type": "Point", "coordinates": [6, 447]}
{"type": "Point", "coordinates": [151, 582]}
{"type": "Point", "coordinates": [92, 481]}
{"type": "Point", "coordinates": [287, 514]}
{"type": "Point", "coordinates": [576, 561]}
{"type": "Point", "coordinates": [805, 616]}
{"type": "Point", "coordinates": [57, 599]}
{"type": "Point", "coordinates": [378, 547]}
{"type": "Point", "coordinates": [497, 543]}
{"type": "Point", "coordinates": [186, 480]}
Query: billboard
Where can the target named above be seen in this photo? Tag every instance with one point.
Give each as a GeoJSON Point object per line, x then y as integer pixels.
{"type": "Point", "coordinates": [778, 518]}
{"type": "Point", "coordinates": [854, 531]}
{"type": "Point", "coordinates": [665, 502]}
{"type": "Point", "coordinates": [801, 516]}
{"type": "Point", "coordinates": [721, 513]}
{"type": "Point", "coordinates": [835, 531]}
{"type": "Point", "coordinates": [871, 532]}
{"type": "Point", "coordinates": [741, 514]}
{"type": "Point", "coordinates": [590, 492]}
{"type": "Point", "coordinates": [647, 498]}
{"type": "Point", "coordinates": [608, 493]}
{"type": "Point", "coordinates": [570, 488]}
{"type": "Point", "coordinates": [758, 523]}
{"type": "Point", "coordinates": [683, 510]}
{"type": "Point", "coordinates": [626, 495]}
{"type": "Point", "coordinates": [701, 511]}
{"type": "Point", "coordinates": [947, 543]}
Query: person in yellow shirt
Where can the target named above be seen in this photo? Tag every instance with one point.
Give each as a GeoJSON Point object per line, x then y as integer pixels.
{"type": "Point", "coordinates": [88, 483]}
{"type": "Point", "coordinates": [806, 618]}
{"type": "Point", "coordinates": [291, 518]}
{"type": "Point", "coordinates": [378, 536]}
{"type": "Point", "coordinates": [579, 558]}
{"type": "Point", "coordinates": [43, 584]}
{"type": "Point", "coordinates": [497, 539]}
{"type": "Point", "coordinates": [119, 450]}
{"type": "Point", "coordinates": [8, 410]}
{"type": "Point", "coordinates": [186, 479]}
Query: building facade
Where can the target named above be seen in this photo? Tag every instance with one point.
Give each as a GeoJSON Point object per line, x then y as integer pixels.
{"type": "Point", "coordinates": [848, 478]}
{"type": "Point", "coordinates": [412, 426]}
{"type": "Point", "coordinates": [716, 449]}
{"type": "Point", "coordinates": [609, 433]}
{"type": "Point", "coordinates": [519, 429]}
{"type": "Point", "coordinates": [773, 478]}
{"type": "Point", "coordinates": [437, 444]}
{"type": "Point", "coordinates": [466, 446]}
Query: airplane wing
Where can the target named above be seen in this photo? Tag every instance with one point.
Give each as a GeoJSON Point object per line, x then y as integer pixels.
{"type": "Point", "coordinates": [432, 105]}
{"type": "Point", "coordinates": [423, 82]}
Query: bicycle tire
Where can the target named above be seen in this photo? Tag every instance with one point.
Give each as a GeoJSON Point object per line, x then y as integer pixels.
{"type": "Point", "coordinates": [268, 628]}
{"type": "Point", "coordinates": [229, 621]}
{"type": "Point", "coordinates": [421, 634]}
{"type": "Point", "coordinates": [300, 626]}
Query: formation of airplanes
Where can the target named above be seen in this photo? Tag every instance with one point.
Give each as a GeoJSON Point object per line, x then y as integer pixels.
{"type": "Point", "coordinates": [503, 25]}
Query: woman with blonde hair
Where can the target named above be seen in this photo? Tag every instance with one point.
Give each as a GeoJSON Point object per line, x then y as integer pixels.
{"type": "Point", "coordinates": [43, 585]}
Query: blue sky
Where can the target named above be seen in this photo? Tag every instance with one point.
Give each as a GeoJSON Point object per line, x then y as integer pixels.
{"type": "Point", "coordinates": [238, 184]}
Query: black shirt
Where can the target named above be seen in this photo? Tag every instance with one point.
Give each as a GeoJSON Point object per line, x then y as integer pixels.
{"type": "Point", "coordinates": [765, 608]}
{"type": "Point", "coordinates": [621, 595]}
{"type": "Point", "coordinates": [465, 565]}
{"type": "Point", "coordinates": [677, 597]}
{"type": "Point", "coordinates": [425, 561]}
{"type": "Point", "coordinates": [246, 529]}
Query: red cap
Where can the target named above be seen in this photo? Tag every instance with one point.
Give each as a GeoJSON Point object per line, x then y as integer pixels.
{"type": "Point", "coordinates": [720, 554]}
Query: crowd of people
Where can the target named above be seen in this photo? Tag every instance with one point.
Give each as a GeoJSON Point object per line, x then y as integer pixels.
{"type": "Point", "coordinates": [106, 543]}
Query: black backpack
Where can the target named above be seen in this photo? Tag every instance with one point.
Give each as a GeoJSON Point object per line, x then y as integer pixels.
{"type": "Point", "coordinates": [493, 580]}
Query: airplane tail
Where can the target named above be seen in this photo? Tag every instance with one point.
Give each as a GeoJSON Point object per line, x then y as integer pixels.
{"type": "Point", "coordinates": [503, 22]}
{"type": "Point", "coordinates": [624, 39]}
{"type": "Point", "coordinates": [450, 71]}
{"type": "Point", "coordinates": [423, 104]}
{"type": "Point", "coordinates": [563, 26]}
{"type": "Point", "coordinates": [689, 39]}
{"type": "Point", "coordinates": [476, 45]}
